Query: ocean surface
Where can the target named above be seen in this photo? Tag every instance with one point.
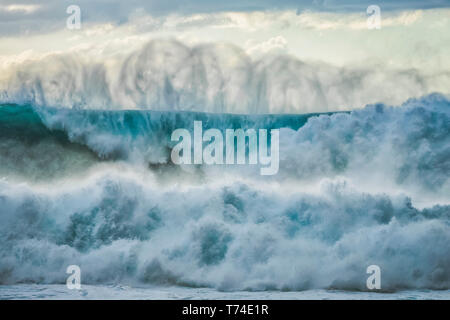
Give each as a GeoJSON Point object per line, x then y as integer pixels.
{"type": "Point", "coordinates": [97, 189]}
{"type": "Point", "coordinates": [119, 292]}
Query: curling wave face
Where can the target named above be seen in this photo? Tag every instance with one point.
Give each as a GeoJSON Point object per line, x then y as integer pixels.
{"type": "Point", "coordinates": [97, 189]}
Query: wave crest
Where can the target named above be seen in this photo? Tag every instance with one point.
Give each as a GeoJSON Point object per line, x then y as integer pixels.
{"type": "Point", "coordinates": [169, 75]}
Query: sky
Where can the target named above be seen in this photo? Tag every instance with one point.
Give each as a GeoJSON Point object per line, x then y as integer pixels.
{"type": "Point", "coordinates": [413, 35]}
{"type": "Point", "coordinates": [333, 31]}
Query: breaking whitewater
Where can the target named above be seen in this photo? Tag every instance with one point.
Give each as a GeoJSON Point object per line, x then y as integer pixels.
{"type": "Point", "coordinates": [97, 189]}
{"type": "Point", "coordinates": [86, 179]}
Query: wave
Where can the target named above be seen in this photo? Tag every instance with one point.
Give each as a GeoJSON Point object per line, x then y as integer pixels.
{"type": "Point", "coordinates": [168, 75]}
{"type": "Point", "coordinates": [36, 141]}
{"type": "Point", "coordinates": [31, 150]}
{"type": "Point", "coordinates": [393, 147]}
{"type": "Point", "coordinates": [404, 147]}
{"type": "Point", "coordinates": [357, 188]}
{"type": "Point", "coordinates": [120, 229]}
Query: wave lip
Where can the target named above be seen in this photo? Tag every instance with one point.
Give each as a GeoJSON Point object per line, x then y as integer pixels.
{"type": "Point", "coordinates": [405, 147]}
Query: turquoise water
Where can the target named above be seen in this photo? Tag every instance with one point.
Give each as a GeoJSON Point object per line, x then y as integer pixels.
{"type": "Point", "coordinates": [97, 189]}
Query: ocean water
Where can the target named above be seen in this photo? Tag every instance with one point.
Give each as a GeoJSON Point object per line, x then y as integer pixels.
{"type": "Point", "coordinates": [97, 189]}
{"type": "Point", "coordinates": [122, 292]}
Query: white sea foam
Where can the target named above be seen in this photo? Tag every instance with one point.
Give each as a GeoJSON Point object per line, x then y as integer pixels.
{"type": "Point", "coordinates": [120, 227]}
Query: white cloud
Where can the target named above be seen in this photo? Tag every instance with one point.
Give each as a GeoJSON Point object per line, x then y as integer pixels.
{"type": "Point", "coordinates": [20, 8]}
{"type": "Point", "coordinates": [276, 44]}
{"type": "Point", "coordinates": [409, 39]}
{"type": "Point", "coordinates": [355, 21]}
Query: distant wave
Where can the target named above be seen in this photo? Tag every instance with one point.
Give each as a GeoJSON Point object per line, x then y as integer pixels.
{"type": "Point", "coordinates": [364, 187]}
{"type": "Point", "coordinates": [168, 75]}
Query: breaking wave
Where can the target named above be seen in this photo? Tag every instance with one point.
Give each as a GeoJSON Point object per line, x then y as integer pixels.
{"type": "Point", "coordinates": [230, 237]}
{"type": "Point", "coordinates": [168, 75]}
{"type": "Point", "coordinates": [357, 188]}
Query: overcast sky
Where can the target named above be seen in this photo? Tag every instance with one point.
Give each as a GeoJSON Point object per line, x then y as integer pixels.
{"type": "Point", "coordinates": [25, 16]}
{"type": "Point", "coordinates": [413, 33]}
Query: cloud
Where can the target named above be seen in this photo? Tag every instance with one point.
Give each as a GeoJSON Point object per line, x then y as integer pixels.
{"type": "Point", "coordinates": [20, 8]}
{"type": "Point", "coordinates": [24, 17]}
{"type": "Point", "coordinates": [273, 45]}
{"type": "Point", "coordinates": [354, 21]}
